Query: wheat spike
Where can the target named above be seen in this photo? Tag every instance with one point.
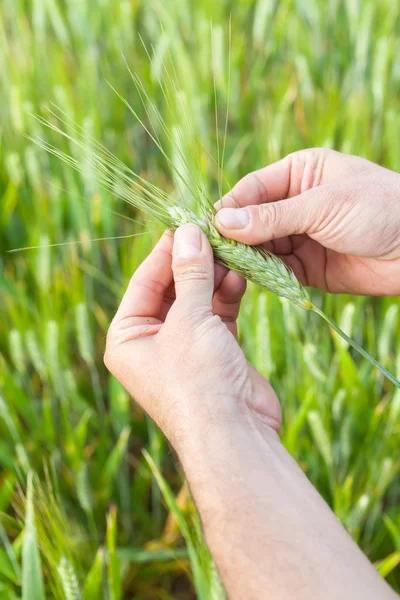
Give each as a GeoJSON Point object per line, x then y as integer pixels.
{"type": "Point", "coordinates": [68, 580]}
{"type": "Point", "coordinates": [254, 263]}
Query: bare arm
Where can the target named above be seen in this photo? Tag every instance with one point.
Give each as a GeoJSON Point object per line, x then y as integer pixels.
{"type": "Point", "coordinates": [270, 532]}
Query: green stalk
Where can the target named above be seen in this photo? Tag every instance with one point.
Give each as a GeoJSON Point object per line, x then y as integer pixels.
{"type": "Point", "coordinates": [356, 347]}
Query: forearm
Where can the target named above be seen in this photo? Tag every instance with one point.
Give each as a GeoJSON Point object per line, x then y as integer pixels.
{"type": "Point", "coordinates": [270, 532]}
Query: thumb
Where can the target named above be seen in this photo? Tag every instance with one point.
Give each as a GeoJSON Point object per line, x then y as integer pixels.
{"type": "Point", "coordinates": [256, 224]}
{"type": "Point", "coordinates": [193, 267]}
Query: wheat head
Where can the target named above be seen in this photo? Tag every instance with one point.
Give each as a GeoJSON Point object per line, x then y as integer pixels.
{"type": "Point", "coordinates": [254, 263]}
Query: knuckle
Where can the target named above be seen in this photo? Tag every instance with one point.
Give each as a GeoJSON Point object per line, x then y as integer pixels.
{"type": "Point", "coordinates": [227, 201]}
{"type": "Point", "coordinates": [305, 153]}
{"type": "Point", "coordinates": [268, 214]}
{"type": "Point", "coordinates": [109, 338]}
{"type": "Point", "coordinates": [323, 208]}
{"type": "Point", "coordinates": [191, 272]}
{"type": "Point", "coordinates": [306, 169]}
{"type": "Point", "coordinates": [183, 322]}
{"type": "Point", "coordinates": [297, 158]}
{"type": "Point", "coordinates": [108, 352]}
{"type": "Point", "coordinates": [254, 186]}
{"type": "Point", "coordinates": [149, 285]}
{"type": "Point", "coordinates": [108, 358]}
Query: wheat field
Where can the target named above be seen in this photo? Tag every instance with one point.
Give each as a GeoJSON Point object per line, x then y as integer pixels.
{"type": "Point", "coordinates": [92, 503]}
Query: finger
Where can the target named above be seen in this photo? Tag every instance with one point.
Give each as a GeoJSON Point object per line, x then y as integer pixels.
{"type": "Point", "coordinates": [145, 292]}
{"type": "Point", "coordinates": [258, 224]}
{"type": "Point", "coordinates": [280, 245]}
{"type": "Point", "coordinates": [265, 185]}
{"type": "Point", "coordinates": [168, 300]}
{"type": "Point", "coordinates": [294, 263]}
{"type": "Point", "coordinates": [220, 272]}
{"type": "Point", "coordinates": [133, 328]}
{"type": "Point", "coordinates": [309, 262]}
{"type": "Point", "coordinates": [289, 177]}
{"type": "Point", "coordinates": [227, 298]}
{"type": "Point", "coordinates": [193, 267]}
{"type": "Point", "coordinates": [169, 297]}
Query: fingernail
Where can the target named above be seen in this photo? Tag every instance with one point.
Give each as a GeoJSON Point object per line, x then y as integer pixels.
{"type": "Point", "coordinates": [187, 242]}
{"type": "Point", "coordinates": [233, 218]}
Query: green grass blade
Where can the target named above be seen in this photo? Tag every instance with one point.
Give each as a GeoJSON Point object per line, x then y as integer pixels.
{"type": "Point", "coordinates": [93, 586]}
{"type": "Point", "coordinates": [32, 578]}
{"type": "Point", "coordinates": [113, 564]}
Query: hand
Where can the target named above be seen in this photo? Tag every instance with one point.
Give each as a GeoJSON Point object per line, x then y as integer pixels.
{"type": "Point", "coordinates": [173, 345]}
{"type": "Point", "coordinates": [333, 218]}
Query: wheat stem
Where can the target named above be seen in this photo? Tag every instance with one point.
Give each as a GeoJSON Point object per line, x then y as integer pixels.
{"type": "Point", "coordinates": [356, 347]}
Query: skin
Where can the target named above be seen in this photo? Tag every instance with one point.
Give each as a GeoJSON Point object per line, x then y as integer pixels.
{"type": "Point", "coordinates": [173, 345]}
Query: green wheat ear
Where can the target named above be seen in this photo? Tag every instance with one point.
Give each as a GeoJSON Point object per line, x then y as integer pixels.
{"type": "Point", "coordinates": [253, 263]}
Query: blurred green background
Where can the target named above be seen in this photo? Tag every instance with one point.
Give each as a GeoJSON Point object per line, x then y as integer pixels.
{"type": "Point", "coordinates": [112, 522]}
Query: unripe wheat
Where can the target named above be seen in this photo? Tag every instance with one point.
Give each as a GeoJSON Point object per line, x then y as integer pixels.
{"type": "Point", "coordinates": [254, 263]}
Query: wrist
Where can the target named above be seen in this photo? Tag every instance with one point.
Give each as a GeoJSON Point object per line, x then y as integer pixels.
{"type": "Point", "coordinates": [222, 460]}
{"type": "Point", "coordinates": [223, 424]}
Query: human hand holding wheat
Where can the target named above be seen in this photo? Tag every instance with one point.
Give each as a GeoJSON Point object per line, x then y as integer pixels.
{"type": "Point", "coordinates": [333, 218]}
{"type": "Point", "coordinates": [178, 354]}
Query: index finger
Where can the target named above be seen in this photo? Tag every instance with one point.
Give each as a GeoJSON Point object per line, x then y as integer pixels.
{"type": "Point", "coordinates": [268, 184]}
{"type": "Point", "coordinates": [296, 173]}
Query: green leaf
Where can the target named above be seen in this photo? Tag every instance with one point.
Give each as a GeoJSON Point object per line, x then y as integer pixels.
{"type": "Point", "coordinates": [142, 556]}
{"type": "Point", "coordinates": [320, 436]}
{"type": "Point", "coordinates": [93, 586]}
{"type": "Point", "coordinates": [389, 563]}
{"type": "Point", "coordinates": [112, 464]}
{"type": "Point", "coordinates": [32, 578]}
{"type": "Point", "coordinates": [113, 565]}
